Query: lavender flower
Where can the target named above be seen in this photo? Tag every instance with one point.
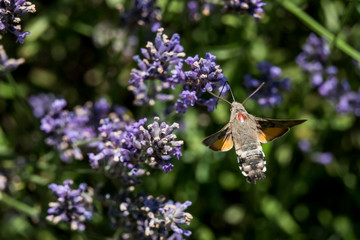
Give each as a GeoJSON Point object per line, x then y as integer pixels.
{"type": "Point", "coordinates": [193, 8]}
{"type": "Point", "coordinates": [207, 8]}
{"type": "Point", "coordinates": [66, 129]}
{"type": "Point", "coordinates": [251, 7]}
{"type": "Point", "coordinates": [41, 103]}
{"type": "Point", "coordinates": [314, 60]}
{"type": "Point", "coordinates": [153, 218]}
{"type": "Point", "coordinates": [8, 64]}
{"type": "Point", "coordinates": [72, 205]}
{"type": "Point", "coordinates": [10, 13]}
{"type": "Point", "coordinates": [349, 102]}
{"type": "Point", "coordinates": [304, 145]}
{"type": "Point", "coordinates": [174, 215]}
{"type": "Point", "coordinates": [101, 108]}
{"type": "Point", "coordinates": [205, 75]}
{"type": "Point", "coordinates": [159, 59]}
{"type": "Point", "coordinates": [270, 94]}
{"type": "Point", "coordinates": [324, 158]}
{"type": "Point", "coordinates": [127, 147]}
{"type": "Point", "coordinates": [144, 12]}
{"type": "Point", "coordinates": [188, 99]}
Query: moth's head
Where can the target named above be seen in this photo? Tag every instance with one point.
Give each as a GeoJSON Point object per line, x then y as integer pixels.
{"type": "Point", "coordinates": [237, 107]}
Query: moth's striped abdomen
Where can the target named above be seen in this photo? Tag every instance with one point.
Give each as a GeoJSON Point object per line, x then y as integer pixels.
{"type": "Point", "coordinates": [252, 163]}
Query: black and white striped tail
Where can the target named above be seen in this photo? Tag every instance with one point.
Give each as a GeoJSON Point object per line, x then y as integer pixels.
{"type": "Point", "coordinates": [252, 165]}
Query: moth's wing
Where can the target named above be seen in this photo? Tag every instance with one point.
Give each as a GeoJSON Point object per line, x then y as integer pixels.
{"type": "Point", "coordinates": [221, 140]}
{"type": "Point", "coordinates": [269, 129]}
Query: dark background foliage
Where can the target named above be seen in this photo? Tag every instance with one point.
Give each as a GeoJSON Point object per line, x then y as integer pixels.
{"type": "Point", "coordinates": [69, 54]}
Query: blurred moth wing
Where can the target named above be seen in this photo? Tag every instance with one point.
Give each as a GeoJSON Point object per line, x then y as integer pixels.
{"type": "Point", "coordinates": [267, 129]}
{"type": "Point", "coordinates": [270, 129]}
{"type": "Point", "coordinates": [220, 141]}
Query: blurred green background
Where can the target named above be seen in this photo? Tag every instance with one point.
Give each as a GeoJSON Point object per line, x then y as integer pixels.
{"type": "Point", "coordinates": [80, 50]}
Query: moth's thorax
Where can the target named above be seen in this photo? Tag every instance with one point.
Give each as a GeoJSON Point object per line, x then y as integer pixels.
{"type": "Point", "coordinates": [243, 125]}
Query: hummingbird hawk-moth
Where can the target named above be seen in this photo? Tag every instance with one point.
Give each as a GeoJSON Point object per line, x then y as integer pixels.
{"type": "Point", "coordinates": [246, 132]}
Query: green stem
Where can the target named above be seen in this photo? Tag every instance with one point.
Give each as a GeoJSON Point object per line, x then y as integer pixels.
{"type": "Point", "coordinates": [22, 100]}
{"type": "Point", "coordinates": [20, 206]}
{"type": "Point", "coordinates": [319, 29]}
{"type": "Point", "coordinates": [349, 9]}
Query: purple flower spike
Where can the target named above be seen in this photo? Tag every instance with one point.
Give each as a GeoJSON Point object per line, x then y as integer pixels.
{"type": "Point", "coordinates": [8, 64]}
{"type": "Point", "coordinates": [349, 102]}
{"type": "Point", "coordinates": [10, 13]}
{"type": "Point", "coordinates": [314, 60]}
{"type": "Point", "coordinates": [193, 8]}
{"type": "Point", "coordinates": [174, 214]}
{"type": "Point", "coordinates": [152, 217]}
{"type": "Point", "coordinates": [73, 205]}
{"type": "Point", "coordinates": [159, 58]}
{"type": "Point", "coordinates": [65, 128]}
{"type": "Point", "coordinates": [41, 103]}
{"type": "Point", "coordinates": [205, 75]}
{"type": "Point", "coordinates": [251, 7]}
{"type": "Point", "coordinates": [270, 94]}
{"type": "Point", "coordinates": [126, 146]}
{"type": "Point", "coordinates": [144, 12]}
{"type": "Point", "coordinates": [188, 99]}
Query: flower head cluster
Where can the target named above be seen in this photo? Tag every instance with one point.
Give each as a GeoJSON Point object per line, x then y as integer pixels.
{"type": "Point", "coordinates": [349, 102]}
{"type": "Point", "coordinates": [127, 147]}
{"type": "Point", "coordinates": [193, 8]}
{"type": "Point", "coordinates": [314, 60]}
{"type": "Point", "coordinates": [144, 12]}
{"type": "Point", "coordinates": [269, 94]}
{"type": "Point", "coordinates": [41, 103]}
{"type": "Point", "coordinates": [10, 13]}
{"type": "Point", "coordinates": [8, 64]}
{"type": "Point", "coordinates": [159, 59]}
{"type": "Point", "coordinates": [73, 205]}
{"type": "Point", "coordinates": [152, 217]}
{"type": "Point", "coordinates": [66, 129]}
{"type": "Point", "coordinates": [251, 7]}
{"type": "Point", "coordinates": [205, 75]}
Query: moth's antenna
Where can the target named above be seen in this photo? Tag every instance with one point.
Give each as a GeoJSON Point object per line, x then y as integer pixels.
{"type": "Point", "coordinates": [222, 91]}
{"type": "Point", "coordinates": [258, 88]}
{"type": "Point", "coordinates": [232, 95]}
{"type": "Point", "coordinates": [218, 97]}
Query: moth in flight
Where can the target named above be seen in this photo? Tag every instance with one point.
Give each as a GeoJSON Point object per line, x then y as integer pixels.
{"type": "Point", "coordinates": [246, 132]}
